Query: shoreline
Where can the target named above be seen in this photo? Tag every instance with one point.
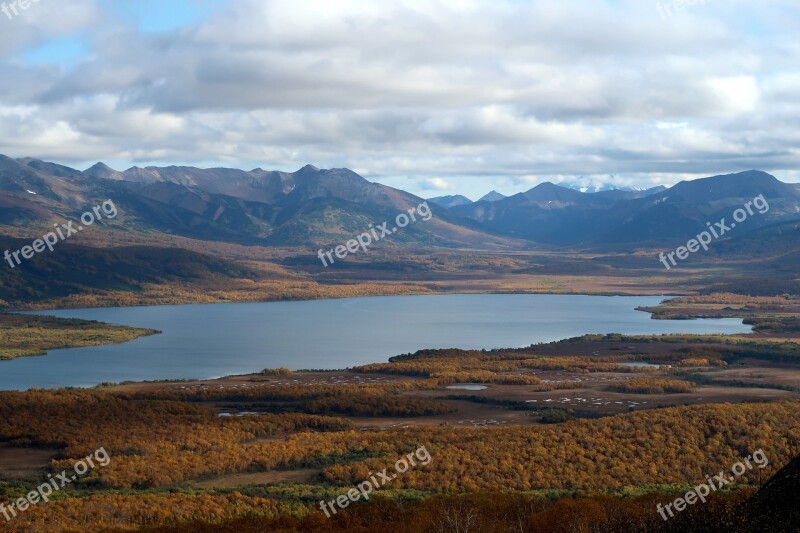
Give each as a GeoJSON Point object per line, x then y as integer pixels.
{"type": "Point", "coordinates": [500, 345]}
{"type": "Point", "coordinates": [609, 294]}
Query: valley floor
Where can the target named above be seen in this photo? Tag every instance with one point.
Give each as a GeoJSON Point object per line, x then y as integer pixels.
{"type": "Point", "coordinates": [586, 434]}
{"type": "Point", "coordinates": [549, 423]}
{"type": "Point", "coordinates": [203, 272]}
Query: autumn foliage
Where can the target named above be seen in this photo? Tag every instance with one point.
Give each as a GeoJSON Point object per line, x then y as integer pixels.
{"type": "Point", "coordinates": [653, 386]}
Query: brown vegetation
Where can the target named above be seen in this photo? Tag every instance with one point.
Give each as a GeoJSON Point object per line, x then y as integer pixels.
{"type": "Point", "coordinates": [653, 386]}
{"type": "Point", "coordinates": [25, 335]}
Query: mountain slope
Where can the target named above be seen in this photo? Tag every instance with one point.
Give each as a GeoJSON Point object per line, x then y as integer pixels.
{"type": "Point", "coordinates": [556, 215]}
{"type": "Point", "coordinates": [547, 213]}
{"type": "Point", "coordinates": [322, 207]}
{"type": "Point", "coordinates": [85, 270]}
{"type": "Point", "coordinates": [682, 211]}
{"type": "Point", "coordinates": [309, 207]}
{"type": "Point", "coordinates": [776, 506]}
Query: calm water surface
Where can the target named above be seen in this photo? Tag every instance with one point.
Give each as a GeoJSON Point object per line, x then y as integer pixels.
{"type": "Point", "coordinates": [470, 386]}
{"type": "Point", "coordinates": [205, 341]}
{"type": "Point", "coordinates": [637, 364]}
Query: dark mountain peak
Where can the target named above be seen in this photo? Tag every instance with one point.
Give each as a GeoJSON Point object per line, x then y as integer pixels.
{"type": "Point", "coordinates": [547, 186]}
{"type": "Point", "coordinates": [9, 170]}
{"type": "Point", "coordinates": [19, 178]}
{"type": "Point", "coordinates": [341, 172]}
{"type": "Point", "coordinates": [7, 161]}
{"type": "Point", "coordinates": [311, 182]}
{"type": "Point", "coordinates": [102, 171]}
{"type": "Point", "coordinates": [493, 196]}
{"type": "Point", "coordinates": [450, 201]}
{"type": "Point", "coordinates": [100, 166]}
{"type": "Point", "coordinates": [308, 169]}
{"type": "Point", "coordinates": [751, 177]}
{"type": "Point", "coordinates": [748, 184]}
{"type": "Point", "coordinates": [550, 192]}
{"type": "Point", "coordinates": [755, 172]}
{"type": "Point", "coordinates": [53, 169]}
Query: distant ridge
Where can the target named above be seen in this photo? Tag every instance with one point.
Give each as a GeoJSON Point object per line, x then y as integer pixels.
{"type": "Point", "coordinates": [450, 201]}
{"type": "Point", "coordinates": [557, 215]}
{"type": "Point", "coordinates": [309, 207]}
{"type": "Point", "coordinates": [606, 187]}
{"type": "Point", "coordinates": [318, 207]}
{"type": "Point", "coordinates": [493, 196]}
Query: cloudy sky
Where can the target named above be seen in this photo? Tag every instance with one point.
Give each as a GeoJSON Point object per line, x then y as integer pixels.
{"type": "Point", "coordinates": [432, 96]}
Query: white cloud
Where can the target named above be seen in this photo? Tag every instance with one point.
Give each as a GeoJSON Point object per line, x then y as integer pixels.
{"type": "Point", "coordinates": [437, 184]}
{"type": "Point", "coordinates": [491, 93]}
{"type": "Point", "coordinates": [43, 21]}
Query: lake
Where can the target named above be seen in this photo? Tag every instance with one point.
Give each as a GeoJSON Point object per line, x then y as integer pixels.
{"type": "Point", "coordinates": [640, 365]}
{"type": "Point", "coordinates": [207, 341]}
{"type": "Point", "coordinates": [468, 386]}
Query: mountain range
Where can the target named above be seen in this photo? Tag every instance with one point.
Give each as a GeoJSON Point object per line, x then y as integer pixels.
{"type": "Point", "coordinates": [603, 187]}
{"type": "Point", "coordinates": [457, 200]}
{"type": "Point", "coordinates": [316, 207]}
{"type": "Point", "coordinates": [560, 216]}
{"type": "Point", "coordinates": [307, 207]}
